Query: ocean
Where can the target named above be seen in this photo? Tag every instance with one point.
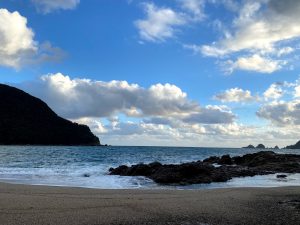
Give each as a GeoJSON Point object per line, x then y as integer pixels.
{"type": "Point", "coordinates": [88, 166]}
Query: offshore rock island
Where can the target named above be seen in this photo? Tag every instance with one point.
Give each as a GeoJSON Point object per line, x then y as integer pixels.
{"type": "Point", "coordinates": [26, 120]}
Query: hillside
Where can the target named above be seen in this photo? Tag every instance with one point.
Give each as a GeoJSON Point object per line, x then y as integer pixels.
{"type": "Point", "coordinates": [26, 120]}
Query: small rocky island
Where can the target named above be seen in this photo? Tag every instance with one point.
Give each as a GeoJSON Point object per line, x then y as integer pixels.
{"type": "Point", "coordinates": [214, 169]}
{"type": "Point", "coordinates": [260, 146]}
{"type": "Point", "coordinates": [26, 120]}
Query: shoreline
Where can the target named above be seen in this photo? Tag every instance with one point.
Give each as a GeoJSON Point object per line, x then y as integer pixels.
{"type": "Point", "coordinates": [37, 204]}
{"type": "Point", "coordinates": [258, 181]}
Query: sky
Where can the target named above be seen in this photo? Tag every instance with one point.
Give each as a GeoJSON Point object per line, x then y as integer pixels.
{"type": "Point", "coordinates": [211, 73]}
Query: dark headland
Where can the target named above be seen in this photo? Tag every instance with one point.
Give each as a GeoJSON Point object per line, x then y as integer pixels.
{"type": "Point", "coordinates": [27, 120]}
{"type": "Point", "coordinates": [295, 146]}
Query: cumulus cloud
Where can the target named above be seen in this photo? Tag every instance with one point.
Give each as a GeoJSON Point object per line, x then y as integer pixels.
{"type": "Point", "coordinates": [281, 113]}
{"type": "Point", "coordinates": [16, 39]}
{"type": "Point", "coordinates": [275, 91]}
{"type": "Point", "coordinates": [172, 119]}
{"type": "Point", "coordinates": [47, 6]}
{"type": "Point", "coordinates": [230, 130]}
{"type": "Point", "coordinates": [17, 44]}
{"type": "Point", "coordinates": [195, 7]}
{"type": "Point", "coordinates": [255, 63]}
{"type": "Point", "coordinates": [160, 23]}
{"type": "Point", "coordinates": [264, 29]}
{"type": "Point", "coordinates": [77, 98]}
{"type": "Point", "coordinates": [118, 111]}
{"type": "Point", "coordinates": [297, 91]}
{"type": "Point", "coordinates": [208, 124]}
{"type": "Point", "coordinates": [211, 115]}
{"type": "Point", "coordinates": [236, 95]}
{"type": "Point", "coordinates": [158, 132]}
{"type": "Point", "coordinates": [285, 51]}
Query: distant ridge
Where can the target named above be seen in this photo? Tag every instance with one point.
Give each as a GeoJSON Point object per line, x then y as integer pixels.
{"type": "Point", "coordinates": [26, 120]}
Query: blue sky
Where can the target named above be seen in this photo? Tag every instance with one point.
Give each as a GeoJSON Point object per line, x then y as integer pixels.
{"type": "Point", "coordinates": [172, 72]}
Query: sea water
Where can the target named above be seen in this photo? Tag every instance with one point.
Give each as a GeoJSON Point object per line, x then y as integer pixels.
{"type": "Point", "coordinates": [88, 166]}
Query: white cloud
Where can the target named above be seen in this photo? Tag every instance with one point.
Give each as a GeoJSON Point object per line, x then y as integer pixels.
{"type": "Point", "coordinates": [164, 115]}
{"type": "Point", "coordinates": [281, 113]}
{"type": "Point", "coordinates": [210, 50]}
{"type": "Point", "coordinates": [260, 27]}
{"type": "Point", "coordinates": [159, 24]}
{"type": "Point", "coordinates": [195, 7]}
{"type": "Point", "coordinates": [230, 130]}
{"type": "Point", "coordinates": [158, 132]}
{"type": "Point", "coordinates": [162, 23]}
{"type": "Point", "coordinates": [230, 135]}
{"type": "Point", "coordinates": [210, 115]}
{"type": "Point", "coordinates": [285, 51]}
{"type": "Point", "coordinates": [236, 95]}
{"type": "Point", "coordinates": [17, 44]}
{"type": "Point", "coordinates": [275, 91]}
{"type": "Point", "coordinates": [47, 6]}
{"type": "Point", "coordinates": [77, 98]}
{"type": "Point", "coordinates": [160, 114]}
{"type": "Point", "coordinates": [16, 39]}
{"type": "Point", "coordinates": [255, 63]}
{"type": "Point", "coordinates": [297, 91]}
{"type": "Point", "coordinates": [264, 29]}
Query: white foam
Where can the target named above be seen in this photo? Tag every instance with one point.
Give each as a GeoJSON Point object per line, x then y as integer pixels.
{"type": "Point", "coordinates": [91, 177]}
{"type": "Point", "coordinates": [255, 181]}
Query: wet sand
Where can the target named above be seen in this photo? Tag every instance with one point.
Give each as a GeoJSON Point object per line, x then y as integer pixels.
{"type": "Point", "coordinates": [41, 205]}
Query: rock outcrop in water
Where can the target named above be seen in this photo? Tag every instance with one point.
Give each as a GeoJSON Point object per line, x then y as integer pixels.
{"type": "Point", "coordinates": [295, 146]}
{"type": "Point", "coordinates": [261, 163]}
{"type": "Point", "coordinates": [249, 146]}
{"type": "Point", "coordinates": [26, 120]}
{"type": "Point", "coordinates": [259, 146]}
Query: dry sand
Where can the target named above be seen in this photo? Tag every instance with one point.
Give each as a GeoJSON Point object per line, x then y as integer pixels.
{"type": "Point", "coordinates": [40, 205]}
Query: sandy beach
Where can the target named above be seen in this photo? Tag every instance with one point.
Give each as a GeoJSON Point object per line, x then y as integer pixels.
{"type": "Point", "coordinates": [40, 205]}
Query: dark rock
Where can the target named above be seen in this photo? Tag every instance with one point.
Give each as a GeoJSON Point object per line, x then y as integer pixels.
{"type": "Point", "coordinates": [276, 147]}
{"type": "Point", "coordinates": [121, 170]}
{"type": "Point", "coordinates": [188, 173]}
{"type": "Point", "coordinates": [26, 120]}
{"type": "Point", "coordinates": [281, 176]}
{"type": "Point", "coordinates": [295, 146]}
{"type": "Point", "coordinates": [212, 159]}
{"type": "Point", "coordinates": [260, 163]}
{"type": "Point", "coordinates": [225, 160]}
{"type": "Point", "coordinates": [270, 161]}
{"type": "Point", "coordinates": [249, 146]}
{"type": "Point", "coordinates": [261, 146]}
{"type": "Point", "coordinates": [86, 175]}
